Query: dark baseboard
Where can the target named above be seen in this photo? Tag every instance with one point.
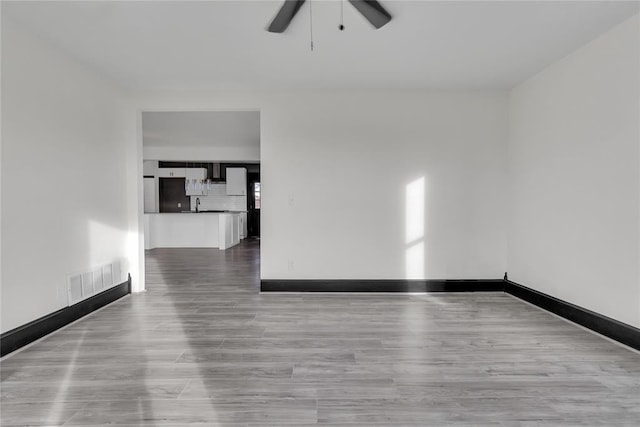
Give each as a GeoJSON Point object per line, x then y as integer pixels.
{"type": "Point", "coordinates": [611, 328]}
{"type": "Point", "coordinates": [26, 334]}
{"type": "Point", "coordinates": [399, 285]}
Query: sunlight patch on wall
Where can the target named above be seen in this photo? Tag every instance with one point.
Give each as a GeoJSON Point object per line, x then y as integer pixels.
{"type": "Point", "coordinates": [415, 229]}
{"type": "Point", "coordinates": [106, 243]}
{"type": "Point", "coordinates": [135, 255]}
{"type": "Point", "coordinates": [414, 260]}
{"type": "Point", "coordinates": [414, 213]}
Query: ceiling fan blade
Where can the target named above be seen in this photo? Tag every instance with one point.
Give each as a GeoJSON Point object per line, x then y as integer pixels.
{"type": "Point", "coordinates": [373, 11]}
{"type": "Point", "coordinates": [285, 15]}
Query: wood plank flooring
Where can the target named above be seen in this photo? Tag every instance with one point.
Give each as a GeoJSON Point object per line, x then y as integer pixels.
{"type": "Point", "coordinates": [202, 346]}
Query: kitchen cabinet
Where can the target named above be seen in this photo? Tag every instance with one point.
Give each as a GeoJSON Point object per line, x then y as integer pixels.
{"type": "Point", "coordinates": [171, 172]}
{"type": "Point", "coordinates": [229, 230]}
{"type": "Point", "coordinates": [196, 188]}
{"type": "Point", "coordinates": [236, 182]}
{"type": "Point", "coordinates": [243, 225]}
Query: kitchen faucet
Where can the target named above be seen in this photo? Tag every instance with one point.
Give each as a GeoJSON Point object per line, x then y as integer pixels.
{"type": "Point", "coordinates": [197, 204]}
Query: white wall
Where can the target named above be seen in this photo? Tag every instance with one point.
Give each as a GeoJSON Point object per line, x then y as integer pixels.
{"type": "Point", "coordinates": [574, 173]}
{"type": "Point", "coordinates": [335, 169]}
{"type": "Point", "coordinates": [150, 167]}
{"type": "Point", "coordinates": [221, 136]}
{"type": "Point", "coordinates": [151, 191]}
{"type": "Point", "coordinates": [65, 204]}
{"type": "Point", "coordinates": [205, 154]}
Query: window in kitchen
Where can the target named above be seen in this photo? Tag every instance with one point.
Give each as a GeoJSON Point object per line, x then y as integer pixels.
{"type": "Point", "coordinates": [256, 194]}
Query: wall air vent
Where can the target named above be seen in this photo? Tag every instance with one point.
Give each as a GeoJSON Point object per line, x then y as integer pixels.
{"type": "Point", "coordinates": [98, 284]}
{"type": "Point", "coordinates": [116, 272]}
{"type": "Point", "coordinates": [75, 287]}
{"type": "Point", "coordinates": [85, 284]}
{"type": "Point", "coordinates": [107, 275]}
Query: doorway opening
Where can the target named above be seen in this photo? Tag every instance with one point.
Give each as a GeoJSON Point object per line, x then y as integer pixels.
{"type": "Point", "coordinates": [202, 184]}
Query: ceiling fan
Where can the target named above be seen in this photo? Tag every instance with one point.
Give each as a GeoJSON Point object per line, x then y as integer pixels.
{"type": "Point", "coordinates": [370, 9]}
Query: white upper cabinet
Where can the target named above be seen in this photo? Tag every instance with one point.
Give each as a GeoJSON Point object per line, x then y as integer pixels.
{"type": "Point", "coordinates": [171, 172]}
{"type": "Point", "coordinates": [236, 182]}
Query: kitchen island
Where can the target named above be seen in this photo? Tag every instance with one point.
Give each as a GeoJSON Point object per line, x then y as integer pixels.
{"type": "Point", "coordinates": [193, 229]}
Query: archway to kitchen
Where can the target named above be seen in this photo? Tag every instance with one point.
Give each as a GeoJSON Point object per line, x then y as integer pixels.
{"type": "Point", "coordinates": [201, 186]}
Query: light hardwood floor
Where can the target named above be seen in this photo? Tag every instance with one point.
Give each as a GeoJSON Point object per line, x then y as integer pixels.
{"type": "Point", "coordinates": [202, 346]}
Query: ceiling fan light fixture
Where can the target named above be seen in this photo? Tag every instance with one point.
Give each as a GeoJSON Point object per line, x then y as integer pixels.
{"type": "Point", "coordinates": [372, 10]}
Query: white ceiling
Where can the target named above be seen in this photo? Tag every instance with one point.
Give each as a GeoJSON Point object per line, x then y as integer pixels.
{"type": "Point", "coordinates": [201, 129]}
{"type": "Point", "coordinates": [200, 45]}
